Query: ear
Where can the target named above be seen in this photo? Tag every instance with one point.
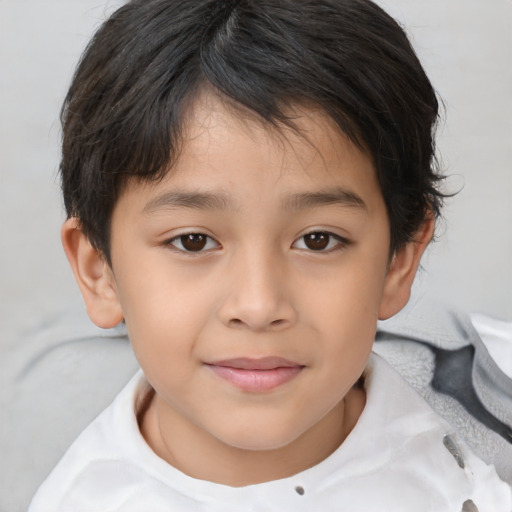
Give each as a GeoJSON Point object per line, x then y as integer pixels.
{"type": "Point", "coordinates": [93, 275]}
{"type": "Point", "coordinates": [402, 270]}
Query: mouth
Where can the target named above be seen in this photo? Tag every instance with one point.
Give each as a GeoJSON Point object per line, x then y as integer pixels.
{"type": "Point", "coordinates": [256, 375]}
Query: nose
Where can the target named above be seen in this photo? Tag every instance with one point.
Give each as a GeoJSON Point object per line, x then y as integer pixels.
{"type": "Point", "coordinates": [257, 297]}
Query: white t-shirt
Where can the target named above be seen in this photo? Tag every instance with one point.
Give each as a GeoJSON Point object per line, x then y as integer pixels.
{"type": "Point", "coordinates": [400, 456]}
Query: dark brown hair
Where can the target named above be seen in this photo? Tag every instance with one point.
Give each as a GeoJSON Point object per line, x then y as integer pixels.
{"type": "Point", "coordinates": [124, 112]}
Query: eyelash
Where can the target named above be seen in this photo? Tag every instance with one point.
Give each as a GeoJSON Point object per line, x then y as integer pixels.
{"type": "Point", "coordinates": [334, 242]}
{"type": "Point", "coordinates": [183, 238]}
{"type": "Point", "coordinates": [339, 242]}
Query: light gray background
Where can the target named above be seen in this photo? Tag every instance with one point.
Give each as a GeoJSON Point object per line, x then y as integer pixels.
{"type": "Point", "coordinates": [466, 47]}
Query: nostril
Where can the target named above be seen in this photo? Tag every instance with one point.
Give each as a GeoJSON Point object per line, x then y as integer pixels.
{"type": "Point", "coordinates": [237, 323]}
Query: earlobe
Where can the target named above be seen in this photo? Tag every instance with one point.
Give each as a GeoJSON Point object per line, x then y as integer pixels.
{"type": "Point", "coordinates": [402, 270]}
{"type": "Point", "coordinates": [93, 276]}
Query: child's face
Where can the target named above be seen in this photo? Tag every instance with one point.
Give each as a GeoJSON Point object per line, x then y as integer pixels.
{"type": "Point", "coordinates": [252, 276]}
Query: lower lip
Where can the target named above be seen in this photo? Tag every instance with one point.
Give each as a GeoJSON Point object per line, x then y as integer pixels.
{"type": "Point", "coordinates": [256, 381]}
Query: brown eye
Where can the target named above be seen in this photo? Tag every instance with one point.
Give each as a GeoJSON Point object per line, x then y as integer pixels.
{"type": "Point", "coordinates": [320, 241]}
{"type": "Point", "coordinates": [317, 241]}
{"type": "Point", "coordinates": [193, 242]}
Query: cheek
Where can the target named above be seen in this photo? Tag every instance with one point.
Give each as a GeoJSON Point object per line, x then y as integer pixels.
{"type": "Point", "coordinates": [344, 312]}
{"type": "Point", "coordinates": [348, 295]}
{"type": "Point", "coordinates": [153, 287]}
{"type": "Point", "coordinates": [162, 315]}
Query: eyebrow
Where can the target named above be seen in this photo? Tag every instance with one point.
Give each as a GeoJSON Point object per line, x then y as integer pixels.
{"type": "Point", "coordinates": [193, 200]}
{"type": "Point", "coordinates": [221, 201]}
{"type": "Point", "coordinates": [338, 196]}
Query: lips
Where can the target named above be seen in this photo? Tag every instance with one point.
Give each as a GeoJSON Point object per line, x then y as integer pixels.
{"type": "Point", "coordinates": [256, 375]}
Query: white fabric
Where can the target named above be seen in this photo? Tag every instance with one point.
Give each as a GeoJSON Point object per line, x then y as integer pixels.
{"type": "Point", "coordinates": [497, 337]}
{"type": "Point", "coordinates": [394, 459]}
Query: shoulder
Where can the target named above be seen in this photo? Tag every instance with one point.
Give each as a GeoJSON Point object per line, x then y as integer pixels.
{"type": "Point", "coordinates": [420, 451]}
{"type": "Point", "coordinates": [97, 461]}
{"type": "Point", "coordinates": [458, 364]}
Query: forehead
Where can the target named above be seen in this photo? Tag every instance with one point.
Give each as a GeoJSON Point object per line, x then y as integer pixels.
{"type": "Point", "coordinates": [230, 151]}
{"type": "Point", "coordinates": [307, 133]}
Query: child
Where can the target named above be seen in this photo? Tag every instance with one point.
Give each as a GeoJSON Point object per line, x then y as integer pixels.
{"type": "Point", "coordinates": [250, 185]}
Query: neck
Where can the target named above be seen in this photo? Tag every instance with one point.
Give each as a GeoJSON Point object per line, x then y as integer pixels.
{"type": "Point", "coordinates": [200, 455]}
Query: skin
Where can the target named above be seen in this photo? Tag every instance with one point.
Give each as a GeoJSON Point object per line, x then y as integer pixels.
{"type": "Point", "coordinates": [295, 265]}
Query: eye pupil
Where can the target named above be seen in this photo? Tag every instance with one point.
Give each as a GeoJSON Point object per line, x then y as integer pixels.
{"type": "Point", "coordinates": [316, 241]}
{"type": "Point", "coordinates": [193, 242]}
